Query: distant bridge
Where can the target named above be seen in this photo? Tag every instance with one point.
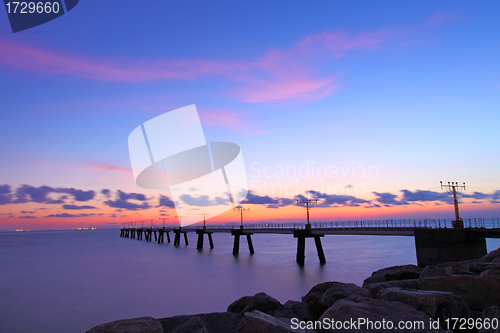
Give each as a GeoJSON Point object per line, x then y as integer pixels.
{"type": "Point", "coordinates": [435, 239]}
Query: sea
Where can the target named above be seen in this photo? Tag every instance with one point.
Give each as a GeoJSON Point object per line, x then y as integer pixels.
{"type": "Point", "coordinates": [71, 281]}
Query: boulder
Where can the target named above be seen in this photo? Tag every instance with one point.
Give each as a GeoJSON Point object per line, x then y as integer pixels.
{"type": "Point", "coordinates": [238, 305]}
{"type": "Point", "coordinates": [259, 322]}
{"type": "Point", "coordinates": [405, 272]}
{"type": "Point", "coordinates": [136, 325]}
{"type": "Point", "coordinates": [328, 293]}
{"type": "Point", "coordinates": [193, 325]}
{"type": "Point", "coordinates": [339, 291]}
{"type": "Point", "coordinates": [313, 297]}
{"type": "Point", "coordinates": [374, 310]}
{"type": "Point", "coordinates": [492, 255]}
{"type": "Point", "coordinates": [303, 310]}
{"type": "Point", "coordinates": [284, 312]}
{"type": "Point", "coordinates": [477, 292]}
{"type": "Point", "coordinates": [263, 303]}
{"type": "Point", "coordinates": [260, 301]}
{"type": "Point", "coordinates": [490, 272]}
{"type": "Point", "coordinates": [436, 304]}
{"type": "Point", "coordinates": [220, 322]}
{"type": "Point", "coordinates": [490, 313]}
{"type": "Point", "coordinates": [479, 267]}
{"type": "Point", "coordinates": [403, 284]}
{"type": "Point", "coordinates": [435, 271]}
{"type": "Point", "coordinates": [455, 264]}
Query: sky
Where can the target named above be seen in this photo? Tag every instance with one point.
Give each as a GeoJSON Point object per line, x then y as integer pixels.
{"type": "Point", "coordinates": [364, 106]}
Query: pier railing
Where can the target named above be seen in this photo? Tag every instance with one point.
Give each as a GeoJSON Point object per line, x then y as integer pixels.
{"type": "Point", "coordinates": [489, 223]}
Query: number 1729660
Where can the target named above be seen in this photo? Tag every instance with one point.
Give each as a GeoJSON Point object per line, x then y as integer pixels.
{"type": "Point", "coordinates": [32, 7]}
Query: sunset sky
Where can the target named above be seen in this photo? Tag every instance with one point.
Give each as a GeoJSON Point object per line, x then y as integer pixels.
{"type": "Point", "coordinates": [362, 105]}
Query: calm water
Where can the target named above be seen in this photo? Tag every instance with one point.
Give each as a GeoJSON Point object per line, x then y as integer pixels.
{"type": "Point", "coordinates": [70, 281]}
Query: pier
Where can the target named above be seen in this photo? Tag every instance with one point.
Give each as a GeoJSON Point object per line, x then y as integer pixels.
{"type": "Point", "coordinates": [436, 240]}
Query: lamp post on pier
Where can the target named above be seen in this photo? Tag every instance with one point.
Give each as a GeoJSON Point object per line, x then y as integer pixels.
{"type": "Point", "coordinates": [306, 203]}
{"type": "Point", "coordinates": [241, 211]}
{"type": "Point", "coordinates": [204, 218]}
{"type": "Point", "coordinates": [163, 219]}
{"type": "Point", "coordinates": [454, 190]}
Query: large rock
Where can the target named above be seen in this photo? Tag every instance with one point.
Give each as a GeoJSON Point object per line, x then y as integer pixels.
{"type": "Point", "coordinates": [324, 295]}
{"type": "Point", "coordinates": [492, 255]}
{"type": "Point", "coordinates": [479, 267]}
{"type": "Point", "coordinates": [303, 310]}
{"type": "Point", "coordinates": [490, 313]}
{"type": "Point", "coordinates": [339, 291]}
{"type": "Point", "coordinates": [260, 301]}
{"type": "Point", "coordinates": [263, 303]}
{"type": "Point", "coordinates": [405, 272]}
{"type": "Point", "coordinates": [238, 305]}
{"type": "Point", "coordinates": [374, 310]}
{"type": "Point", "coordinates": [259, 322]}
{"type": "Point", "coordinates": [490, 272]}
{"type": "Point", "coordinates": [436, 304]}
{"type": "Point", "coordinates": [217, 322]}
{"type": "Point", "coordinates": [437, 270]}
{"type": "Point", "coordinates": [193, 325]}
{"type": "Point", "coordinates": [313, 297]}
{"type": "Point", "coordinates": [404, 284]}
{"type": "Point", "coordinates": [477, 292]}
{"type": "Point", "coordinates": [136, 325]}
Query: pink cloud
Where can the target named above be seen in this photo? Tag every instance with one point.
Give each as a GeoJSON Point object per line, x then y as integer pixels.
{"type": "Point", "coordinates": [108, 167]}
{"type": "Point", "coordinates": [228, 119]}
{"type": "Point", "coordinates": [287, 88]}
{"type": "Point", "coordinates": [221, 118]}
{"type": "Point", "coordinates": [128, 71]}
{"type": "Point", "coordinates": [277, 75]}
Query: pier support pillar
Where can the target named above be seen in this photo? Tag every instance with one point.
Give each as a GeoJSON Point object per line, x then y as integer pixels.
{"type": "Point", "coordinates": [177, 237]}
{"type": "Point", "coordinates": [201, 234]}
{"type": "Point", "coordinates": [210, 240]}
{"type": "Point", "coordinates": [434, 246]}
{"type": "Point", "coordinates": [319, 248]}
{"type": "Point", "coordinates": [301, 250]}
{"type": "Point", "coordinates": [168, 236]}
{"type": "Point", "coordinates": [237, 233]}
{"type": "Point", "coordinates": [199, 245]}
{"type": "Point", "coordinates": [250, 244]}
{"type": "Point", "coordinates": [236, 245]}
{"type": "Point", "coordinates": [301, 236]}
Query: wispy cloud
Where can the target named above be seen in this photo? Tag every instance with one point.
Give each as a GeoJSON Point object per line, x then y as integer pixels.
{"type": "Point", "coordinates": [274, 76]}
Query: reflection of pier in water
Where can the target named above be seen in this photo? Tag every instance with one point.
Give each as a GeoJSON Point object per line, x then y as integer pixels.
{"type": "Point", "coordinates": [436, 241]}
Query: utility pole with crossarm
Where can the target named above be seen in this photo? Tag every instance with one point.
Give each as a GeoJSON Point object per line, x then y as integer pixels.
{"type": "Point", "coordinates": [454, 191]}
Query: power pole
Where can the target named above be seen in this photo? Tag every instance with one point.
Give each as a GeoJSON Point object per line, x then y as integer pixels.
{"type": "Point", "coordinates": [454, 190]}
{"type": "Point", "coordinates": [241, 211]}
{"type": "Point", "coordinates": [163, 219]}
{"type": "Point", "coordinates": [180, 220]}
{"type": "Point", "coordinates": [306, 203]}
{"type": "Point", "coordinates": [204, 217]}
